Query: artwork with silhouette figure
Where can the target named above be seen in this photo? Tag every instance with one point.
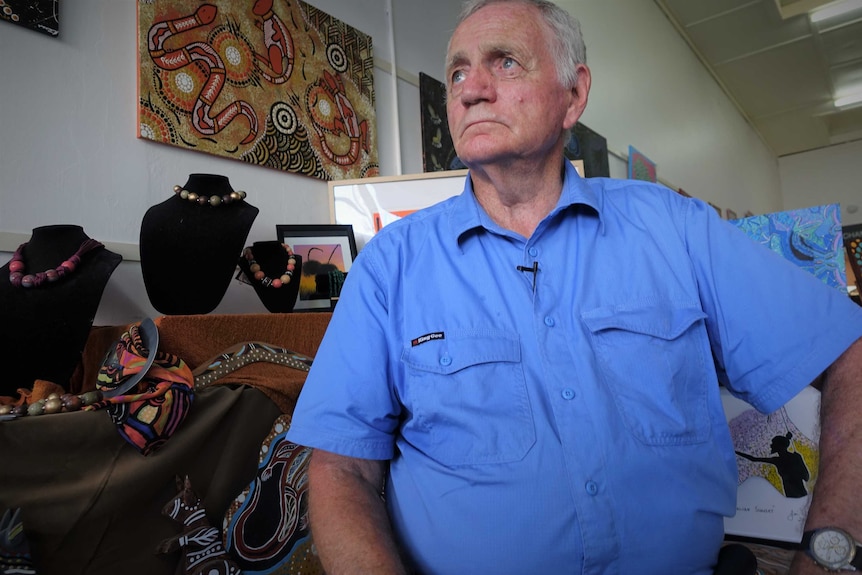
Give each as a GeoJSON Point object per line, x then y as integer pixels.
{"type": "Point", "coordinates": [777, 461]}
{"type": "Point", "coordinates": [43, 328]}
{"type": "Point", "coordinates": [790, 465]}
{"type": "Point", "coordinates": [189, 249]}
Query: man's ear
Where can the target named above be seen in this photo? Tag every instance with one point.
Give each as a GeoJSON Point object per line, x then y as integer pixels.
{"type": "Point", "coordinates": [580, 93]}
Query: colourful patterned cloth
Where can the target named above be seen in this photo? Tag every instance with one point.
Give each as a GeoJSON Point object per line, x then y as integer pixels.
{"type": "Point", "coordinates": [152, 412]}
{"type": "Point", "coordinates": [266, 528]}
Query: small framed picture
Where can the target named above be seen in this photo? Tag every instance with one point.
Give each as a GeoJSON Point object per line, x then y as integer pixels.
{"type": "Point", "coordinates": [327, 251]}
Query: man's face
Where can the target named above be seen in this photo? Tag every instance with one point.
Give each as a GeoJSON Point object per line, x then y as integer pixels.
{"type": "Point", "coordinates": [505, 100]}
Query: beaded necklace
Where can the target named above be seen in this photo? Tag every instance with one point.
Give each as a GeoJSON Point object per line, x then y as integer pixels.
{"type": "Point", "coordinates": [18, 278]}
{"type": "Point", "coordinates": [54, 403]}
{"type": "Point", "coordinates": [258, 274]}
{"type": "Point", "coordinates": [214, 200]}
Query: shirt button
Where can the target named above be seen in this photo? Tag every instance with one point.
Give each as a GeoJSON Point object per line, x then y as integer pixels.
{"type": "Point", "coordinates": [533, 252]}
{"type": "Point", "coordinates": [445, 360]}
{"type": "Point", "coordinates": [549, 321]}
{"type": "Point", "coordinates": [591, 487]}
{"type": "Point", "coordinates": [568, 393]}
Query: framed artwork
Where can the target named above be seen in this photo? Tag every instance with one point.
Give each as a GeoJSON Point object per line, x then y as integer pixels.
{"type": "Point", "coordinates": [369, 204]}
{"type": "Point", "coordinates": [853, 257]}
{"type": "Point", "coordinates": [641, 167]}
{"type": "Point", "coordinates": [683, 193]}
{"type": "Point", "coordinates": [730, 214]}
{"type": "Point", "coordinates": [327, 252]}
{"type": "Point", "coordinates": [272, 83]}
{"type": "Point", "coordinates": [591, 147]}
{"type": "Point", "coordinates": [438, 152]}
{"type": "Point", "coordinates": [777, 461]}
{"type": "Point", "coordinates": [809, 237]}
{"type": "Point", "coordinates": [40, 15]}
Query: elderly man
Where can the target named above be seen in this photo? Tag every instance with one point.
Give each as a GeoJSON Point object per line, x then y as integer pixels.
{"type": "Point", "coordinates": [525, 378]}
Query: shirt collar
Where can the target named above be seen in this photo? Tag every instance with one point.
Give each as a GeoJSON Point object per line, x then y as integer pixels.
{"type": "Point", "coordinates": [465, 213]}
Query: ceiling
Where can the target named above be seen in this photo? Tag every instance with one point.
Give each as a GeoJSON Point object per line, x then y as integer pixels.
{"type": "Point", "coordinates": [780, 69]}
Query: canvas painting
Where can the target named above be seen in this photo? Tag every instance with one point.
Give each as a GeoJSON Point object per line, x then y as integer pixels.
{"type": "Point", "coordinates": [438, 152]}
{"type": "Point", "coordinates": [591, 147]}
{"type": "Point", "coordinates": [777, 461]}
{"type": "Point", "coordinates": [853, 244]}
{"type": "Point", "coordinates": [809, 237]}
{"type": "Point", "coordinates": [640, 167]}
{"type": "Point", "coordinates": [271, 82]}
{"type": "Point", "coordinates": [40, 15]}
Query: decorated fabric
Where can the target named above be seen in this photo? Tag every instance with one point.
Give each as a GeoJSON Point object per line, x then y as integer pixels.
{"type": "Point", "coordinates": [246, 353]}
{"type": "Point", "coordinates": [14, 549]}
{"type": "Point", "coordinates": [810, 237]}
{"type": "Point", "coordinates": [200, 543]}
{"type": "Point", "coordinates": [152, 411]}
{"type": "Point", "coordinates": [266, 527]}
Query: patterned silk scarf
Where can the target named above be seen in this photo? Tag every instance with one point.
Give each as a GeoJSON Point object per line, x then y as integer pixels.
{"type": "Point", "coordinates": [150, 410]}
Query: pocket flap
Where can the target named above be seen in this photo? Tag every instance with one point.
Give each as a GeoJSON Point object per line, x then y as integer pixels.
{"type": "Point", "coordinates": [662, 321]}
{"type": "Point", "coordinates": [460, 350]}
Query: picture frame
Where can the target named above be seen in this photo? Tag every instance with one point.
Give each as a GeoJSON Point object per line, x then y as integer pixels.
{"type": "Point", "coordinates": [766, 512]}
{"type": "Point", "coordinates": [369, 204]}
{"type": "Point", "coordinates": [640, 167]}
{"type": "Point", "coordinates": [327, 252]}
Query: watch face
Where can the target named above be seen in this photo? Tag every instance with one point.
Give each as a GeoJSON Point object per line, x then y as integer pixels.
{"type": "Point", "coordinates": [832, 548]}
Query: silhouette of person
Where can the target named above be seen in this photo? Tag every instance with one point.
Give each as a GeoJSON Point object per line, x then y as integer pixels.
{"type": "Point", "coordinates": [790, 465]}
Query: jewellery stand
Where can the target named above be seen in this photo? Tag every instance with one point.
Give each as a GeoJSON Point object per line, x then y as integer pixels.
{"type": "Point", "coordinates": [273, 260]}
{"type": "Point", "coordinates": [43, 329]}
{"type": "Point", "coordinates": [189, 251]}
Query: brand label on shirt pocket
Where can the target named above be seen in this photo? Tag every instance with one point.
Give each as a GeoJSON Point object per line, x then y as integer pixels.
{"type": "Point", "coordinates": [651, 359]}
{"type": "Point", "coordinates": [469, 398]}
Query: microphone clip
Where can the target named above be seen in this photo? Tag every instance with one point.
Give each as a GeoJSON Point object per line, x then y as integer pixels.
{"type": "Point", "coordinates": [534, 269]}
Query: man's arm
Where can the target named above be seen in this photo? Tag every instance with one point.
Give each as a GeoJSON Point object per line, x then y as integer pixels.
{"type": "Point", "coordinates": [836, 500]}
{"type": "Point", "coordinates": [349, 523]}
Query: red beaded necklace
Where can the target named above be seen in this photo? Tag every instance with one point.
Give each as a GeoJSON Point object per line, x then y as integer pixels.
{"type": "Point", "coordinates": [258, 274]}
{"type": "Point", "coordinates": [18, 278]}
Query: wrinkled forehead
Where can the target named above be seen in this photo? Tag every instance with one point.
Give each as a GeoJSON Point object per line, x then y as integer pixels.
{"type": "Point", "coordinates": [498, 28]}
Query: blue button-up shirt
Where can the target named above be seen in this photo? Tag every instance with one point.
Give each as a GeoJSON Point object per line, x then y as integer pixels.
{"type": "Point", "coordinates": [568, 419]}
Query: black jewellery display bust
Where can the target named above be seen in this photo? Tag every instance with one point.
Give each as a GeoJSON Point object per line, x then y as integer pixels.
{"type": "Point", "coordinates": [274, 271]}
{"type": "Point", "coordinates": [190, 243]}
{"type": "Point", "coordinates": [49, 295]}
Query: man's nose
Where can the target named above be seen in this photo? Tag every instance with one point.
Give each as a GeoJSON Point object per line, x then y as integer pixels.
{"type": "Point", "coordinates": [478, 86]}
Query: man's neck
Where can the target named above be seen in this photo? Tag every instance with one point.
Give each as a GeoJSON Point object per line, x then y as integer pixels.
{"type": "Point", "coordinates": [518, 199]}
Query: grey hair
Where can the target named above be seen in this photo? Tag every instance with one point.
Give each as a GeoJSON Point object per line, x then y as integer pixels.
{"type": "Point", "coordinates": [567, 45]}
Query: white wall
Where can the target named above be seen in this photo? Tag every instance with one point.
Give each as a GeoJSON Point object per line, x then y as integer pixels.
{"type": "Point", "coordinates": [68, 151]}
{"type": "Point", "coordinates": [830, 173]}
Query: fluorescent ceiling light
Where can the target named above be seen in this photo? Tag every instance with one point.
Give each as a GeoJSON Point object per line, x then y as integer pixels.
{"type": "Point", "coordinates": [848, 100]}
{"type": "Point", "coordinates": [835, 9]}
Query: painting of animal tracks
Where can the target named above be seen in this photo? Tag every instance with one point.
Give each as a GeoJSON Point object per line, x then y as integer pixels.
{"type": "Point", "coordinates": [274, 83]}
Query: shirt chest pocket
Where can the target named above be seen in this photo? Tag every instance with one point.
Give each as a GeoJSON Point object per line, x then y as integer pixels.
{"type": "Point", "coordinates": [652, 360]}
{"type": "Point", "coordinates": [468, 398]}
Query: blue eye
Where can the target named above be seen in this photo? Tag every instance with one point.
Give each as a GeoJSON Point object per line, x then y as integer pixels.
{"type": "Point", "coordinates": [457, 76]}
{"type": "Point", "coordinates": [508, 62]}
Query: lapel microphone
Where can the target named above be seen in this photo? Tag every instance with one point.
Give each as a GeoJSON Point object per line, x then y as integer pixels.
{"type": "Point", "coordinates": [534, 270]}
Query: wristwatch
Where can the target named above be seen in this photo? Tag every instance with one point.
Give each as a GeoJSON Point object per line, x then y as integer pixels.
{"type": "Point", "coordinates": [833, 549]}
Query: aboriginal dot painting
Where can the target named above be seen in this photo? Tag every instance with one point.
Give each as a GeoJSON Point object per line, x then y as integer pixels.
{"type": "Point", "coordinates": [810, 237]}
{"type": "Point", "coordinates": [40, 15]}
{"type": "Point", "coordinates": [269, 82]}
